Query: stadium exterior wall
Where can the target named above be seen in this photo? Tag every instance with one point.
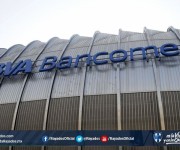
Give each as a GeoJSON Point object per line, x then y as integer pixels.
{"type": "Point", "coordinates": [132, 95]}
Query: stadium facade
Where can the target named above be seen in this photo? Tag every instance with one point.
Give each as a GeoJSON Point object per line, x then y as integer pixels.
{"type": "Point", "coordinates": [130, 95]}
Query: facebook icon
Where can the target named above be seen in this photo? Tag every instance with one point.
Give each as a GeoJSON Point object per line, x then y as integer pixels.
{"type": "Point", "coordinates": [157, 137]}
{"type": "Point", "coordinates": [45, 138]}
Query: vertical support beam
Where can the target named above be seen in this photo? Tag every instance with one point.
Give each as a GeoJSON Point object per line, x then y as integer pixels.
{"type": "Point", "coordinates": [22, 88]}
{"type": "Point", "coordinates": [82, 88]}
{"type": "Point", "coordinates": [157, 83]}
{"type": "Point", "coordinates": [119, 89]}
{"type": "Point", "coordinates": [83, 85]}
{"type": "Point", "coordinates": [51, 87]}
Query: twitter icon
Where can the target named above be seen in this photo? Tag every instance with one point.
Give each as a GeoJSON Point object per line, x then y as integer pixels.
{"type": "Point", "coordinates": [79, 139]}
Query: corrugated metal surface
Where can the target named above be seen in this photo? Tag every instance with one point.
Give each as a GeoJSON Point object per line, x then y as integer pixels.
{"type": "Point", "coordinates": [61, 148]}
{"type": "Point", "coordinates": [140, 111]}
{"type": "Point", "coordinates": [143, 148]}
{"type": "Point", "coordinates": [63, 114]}
{"type": "Point", "coordinates": [37, 86]}
{"type": "Point", "coordinates": [2, 51]}
{"type": "Point", "coordinates": [14, 84]}
{"type": "Point", "coordinates": [67, 83]}
{"type": "Point", "coordinates": [12, 53]}
{"type": "Point", "coordinates": [169, 71]}
{"type": "Point", "coordinates": [32, 51]}
{"type": "Point", "coordinates": [100, 80]}
{"type": "Point", "coordinates": [99, 112]}
{"type": "Point", "coordinates": [10, 89]}
{"type": "Point", "coordinates": [6, 116]}
{"type": "Point", "coordinates": [54, 48]}
{"type": "Point", "coordinates": [171, 105]}
{"type": "Point", "coordinates": [137, 77]}
{"type": "Point", "coordinates": [100, 148]}
{"type": "Point", "coordinates": [4, 148]}
{"type": "Point", "coordinates": [30, 115]}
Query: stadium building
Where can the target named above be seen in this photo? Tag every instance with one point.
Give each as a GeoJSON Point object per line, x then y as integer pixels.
{"type": "Point", "coordinates": [143, 94]}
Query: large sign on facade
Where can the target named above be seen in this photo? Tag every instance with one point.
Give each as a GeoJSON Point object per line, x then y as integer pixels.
{"type": "Point", "coordinates": [116, 56]}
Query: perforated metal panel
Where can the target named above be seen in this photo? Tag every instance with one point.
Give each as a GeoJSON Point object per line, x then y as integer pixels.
{"type": "Point", "coordinates": [171, 106]}
{"type": "Point", "coordinates": [63, 114]}
{"type": "Point", "coordinates": [140, 111]}
{"type": "Point", "coordinates": [6, 116]}
{"type": "Point", "coordinates": [10, 89]}
{"type": "Point", "coordinates": [30, 115]}
{"type": "Point", "coordinates": [99, 112]}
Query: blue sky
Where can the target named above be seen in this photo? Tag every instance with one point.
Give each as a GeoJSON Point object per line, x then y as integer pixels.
{"type": "Point", "coordinates": [23, 21]}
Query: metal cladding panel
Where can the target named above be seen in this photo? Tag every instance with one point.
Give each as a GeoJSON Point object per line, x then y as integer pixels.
{"type": "Point", "coordinates": [79, 41]}
{"type": "Point", "coordinates": [61, 148]}
{"type": "Point", "coordinates": [12, 53]}
{"type": "Point", "coordinates": [140, 111]}
{"type": "Point", "coordinates": [54, 48]}
{"type": "Point", "coordinates": [143, 148]}
{"type": "Point", "coordinates": [163, 38]}
{"type": "Point", "coordinates": [99, 112]}
{"type": "Point", "coordinates": [30, 115]}
{"type": "Point", "coordinates": [26, 148]}
{"type": "Point", "coordinates": [6, 115]}
{"type": "Point", "coordinates": [32, 51]}
{"type": "Point", "coordinates": [102, 38]}
{"type": "Point", "coordinates": [63, 114]}
{"type": "Point", "coordinates": [125, 34]}
{"type": "Point", "coordinates": [2, 51]}
{"type": "Point", "coordinates": [67, 83]}
{"type": "Point", "coordinates": [135, 37]}
{"type": "Point", "coordinates": [104, 48]}
{"type": "Point", "coordinates": [154, 32]}
{"type": "Point", "coordinates": [4, 148]}
{"type": "Point", "coordinates": [10, 89]}
{"type": "Point", "coordinates": [100, 80]}
{"type": "Point", "coordinates": [100, 148]}
{"type": "Point", "coordinates": [137, 76]}
{"type": "Point", "coordinates": [171, 105]}
{"type": "Point", "coordinates": [37, 86]}
{"type": "Point", "coordinates": [169, 72]}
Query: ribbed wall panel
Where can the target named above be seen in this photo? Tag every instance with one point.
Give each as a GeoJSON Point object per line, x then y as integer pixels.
{"type": "Point", "coordinates": [171, 107]}
{"type": "Point", "coordinates": [61, 148]}
{"type": "Point", "coordinates": [67, 83]}
{"type": "Point", "coordinates": [4, 148]}
{"type": "Point", "coordinates": [126, 34]}
{"type": "Point", "coordinates": [140, 111]}
{"type": "Point", "coordinates": [137, 77]}
{"type": "Point", "coordinates": [165, 35]}
{"type": "Point", "coordinates": [10, 89]}
{"type": "Point", "coordinates": [169, 71]}
{"type": "Point", "coordinates": [143, 148]}
{"type": "Point", "coordinates": [99, 112]}
{"type": "Point", "coordinates": [32, 51]}
{"type": "Point", "coordinates": [2, 51]}
{"type": "Point", "coordinates": [63, 114]}
{"type": "Point", "coordinates": [100, 148]}
{"type": "Point", "coordinates": [30, 115]}
{"type": "Point", "coordinates": [6, 116]}
{"type": "Point", "coordinates": [102, 38]}
{"type": "Point", "coordinates": [100, 80]}
{"type": "Point", "coordinates": [37, 86]}
{"type": "Point", "coordinates": [12, 53]}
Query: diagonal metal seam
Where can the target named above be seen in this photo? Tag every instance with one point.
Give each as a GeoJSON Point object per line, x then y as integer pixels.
{"type": "Point", "coordinates": [23, 86]}
{"type": "Point", "coordinates": [119, 89]}
{"type": "Point", "coordinates": [157, 83]}
{"type": "Point", "coordinates": [83, 86]}
{"type": "Point", "coordinates": [171, 28]}
{"type": "Point", "coordinates": [51, 86]}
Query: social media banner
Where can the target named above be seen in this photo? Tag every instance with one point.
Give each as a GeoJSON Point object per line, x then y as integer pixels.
{"type": "Point", "coordinates": [90, 138]}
